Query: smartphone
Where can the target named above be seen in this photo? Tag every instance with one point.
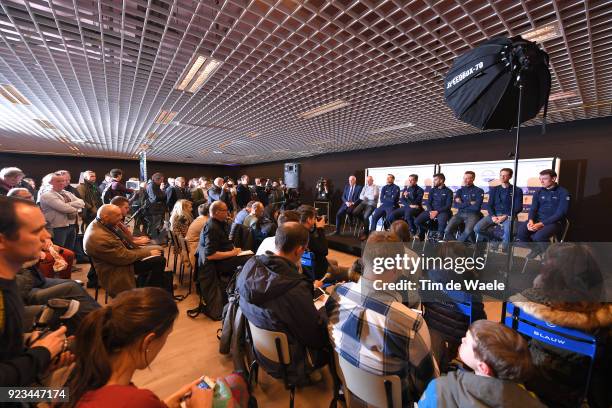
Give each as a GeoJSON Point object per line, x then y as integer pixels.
{"type": "Point", "coordinates": [318, 292]}
{"type": "Point", "coordinates": [206, 383]}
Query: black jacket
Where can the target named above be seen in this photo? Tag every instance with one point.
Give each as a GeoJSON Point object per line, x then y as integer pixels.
{"type": "Point", "coordinates": [275, 296]}
{"type": "Point", "coordinates": [19, 366]}
{"type": "Point", "coordinates": [173, 194]}
{"type": "Point", "coordinates": [317, 244]}
{"type": "Point", "coordinates": [243, 195]}
{"type": "Point", "coordinates": [156, 199]}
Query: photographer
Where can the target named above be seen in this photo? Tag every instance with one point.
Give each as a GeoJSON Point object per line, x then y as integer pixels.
{"type": "Point", "coordinates": [154, 212]}
{"type": "Point", "coordinates": [22, 236]}
{"type": "Point", "coordinates": [220, 191]}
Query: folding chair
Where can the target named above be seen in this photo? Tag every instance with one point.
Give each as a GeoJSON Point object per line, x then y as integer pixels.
{"type": "Point", "coordinates": [555, 336]}
{"type": "Point", "coordinates": [375, 390]}
{"type": "Point", "coordinates": [93, 268]}
{"type": "Point", "coordinates": [185, 254]}
{"type": "Point", "coordinates": [274, 346]}
{"type": "Point", "coordinates": [463, 302]}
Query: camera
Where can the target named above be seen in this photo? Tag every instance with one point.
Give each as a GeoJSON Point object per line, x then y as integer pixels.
{"type": "Point", "coordinates": [56, 313]}
{"type": "Point", "coordinates": [133, 184]}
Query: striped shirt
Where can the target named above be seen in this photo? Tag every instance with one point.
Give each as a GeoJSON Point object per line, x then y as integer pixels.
{"type": "Point", "coordinates": [374, 331]}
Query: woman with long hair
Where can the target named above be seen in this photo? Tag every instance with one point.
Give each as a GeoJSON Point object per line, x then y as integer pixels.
{"type": "Point", "coordinates": [180, 217]}
{"type": "Point", "coordinates": [113, 342]}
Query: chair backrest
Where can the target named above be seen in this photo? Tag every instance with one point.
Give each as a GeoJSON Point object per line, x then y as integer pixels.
{"type": "Point", "coordinates": [463, 302]}
{"type": "Point", "coordinates": [183, 244]}
{"type": "Point", "coordinates": [376, 390]}
{"type": "Point", "coordinates": [560, 337]}
{"type": "Point", "coordinates": [271, 344]}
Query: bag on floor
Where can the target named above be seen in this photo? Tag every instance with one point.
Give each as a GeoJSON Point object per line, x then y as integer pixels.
{"type": "Point", "coordinates": [224, 334]}
{"type": "Point", "coordinates": [233, 391]}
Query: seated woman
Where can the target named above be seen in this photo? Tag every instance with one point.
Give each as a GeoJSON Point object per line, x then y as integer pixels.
{"type": "Point", "coordinates": [181, 217]}
{"type": "Point", "coordinates": [447, 324]}
{"type": "Point", "coordinates": [113, 342]}
{"type": "Point", "coordinates": [569, 292]}
{"type": "Point", "coordinates": [55, 261]}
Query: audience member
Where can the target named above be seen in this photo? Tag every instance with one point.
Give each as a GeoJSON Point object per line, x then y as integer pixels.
{"type": "Point", "coordinates": [570, 292]}
{"type": "Point", "coordinates": [317, 244]}
{"type": "Point", "coordinates": [91, 197]}
{"type": "Point", "coordinates": [112, 343]}
{"type": "Point", "coordinates": [242, 214]}
{"type": "Point", "coordinates": [107, 180]}
{"type": "Point", "coordinates": [275, 296]}
{"type": "Point", "coordinates": [67, 186]}
{"type": "Point", "coordinates": [29, 184]}
{"type": "Point", "coordinates": [177, 192]}
{"type": "Point", "coordinates": [195, 230]}
{"type": "Point", "coordinates": [10, 177]}
{"type": "Point", "coordinates": [500, 359]}
{"type": "Point", "coordinates": [260, 191]}
{"type": "Point", "coordinates": [56, 261]}
{"type": "Point", "coordinates": [20, 192]}
{"type": "Point", "coordinates": [257, 210]}
{"type": "Point", "coordinates": [269, 244]}
{"type": "Point", "coordinates": [22, 237]}
{"type": "Point", "coordinates": [116, 259]}
{"type": "Point", "coordinates": [156, 205]}
{"type": "Point", "coordinates": [199, 194]}
{"type": "Point", "coordinates": [243, 193]}
{"type": "Point", "coordinates": [373, 329]}
{"type": "Point", "coordinates": [124, 205]}
{"type": "Point", "coordinates": [60, 208]}
{"type": "Point", "coordinates": [117, 188]}
{"type": "Point", "coordinates": [181, 217]}
{"type": "Point", "coordinates": [220, 192]}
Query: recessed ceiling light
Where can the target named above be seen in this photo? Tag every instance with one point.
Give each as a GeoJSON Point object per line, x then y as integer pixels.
{"type": "Point", "coordinates": [328, 107]}
{"type": "Point", "coordinates": [217, 152]}
{"type": "Point", "coordinates": [201, 69]}
{"type": "Point", "coordinates": [165, 117]}
{"type": "Point", "coordinates": [562, 95]}
{"type": "Point", "coordinates": [13, 95]}
{"type": "Point", "coordinates": [391, 128]}
{"type": "Point", "coordinates": [544, 33]}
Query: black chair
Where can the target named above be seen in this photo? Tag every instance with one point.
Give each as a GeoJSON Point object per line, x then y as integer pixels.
{"type": "Point", "coordinates": [97, 287]}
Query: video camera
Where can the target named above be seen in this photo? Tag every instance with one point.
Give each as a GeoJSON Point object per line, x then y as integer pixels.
{"type": "Point", "coordinates": [56, 313]}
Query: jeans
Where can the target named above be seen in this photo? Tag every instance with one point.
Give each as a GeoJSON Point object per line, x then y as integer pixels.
{"type": "Point", "coordinates": [65, 236]}
{"type": "Point", "coordinates": [378, 213]}
{"type": "Point", "coordinates": [364, 210]}
{"type": "Point", "coordinates": [484, 229]}
{"type": "Point", "coordinates": [469, 219]}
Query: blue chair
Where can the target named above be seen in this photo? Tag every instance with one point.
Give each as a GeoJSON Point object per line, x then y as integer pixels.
{"type": "Point", "coordinates": [463, 302]}
{"type": "Point", "coordinates": [548, 333]}
{"type": "Point", "coordinates": [308, 265]}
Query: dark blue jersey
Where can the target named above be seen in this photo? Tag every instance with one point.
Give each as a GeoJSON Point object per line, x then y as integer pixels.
{"type": "Point", "coordinates": [549, 205]}
{"type": "Point", "coordinates": [389, 195]}
{"type": "Point", "coordinates": [415, 196]}
{"type": "Point", "coordinates": [500, 200]}
{"type": "Point", "coordinates": [470, 199]}
{"type": "Point", "coordinates": [440, 199]}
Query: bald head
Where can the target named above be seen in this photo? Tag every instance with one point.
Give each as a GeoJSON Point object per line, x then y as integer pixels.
{"type": "Point", "coordinates": [291, 240]}
{"type": "Point", "coordinates": [352, 180]}
{"type": "Point", "coordinates": [219, 182]}
{"type": "Point", "coordinates": [218, 210]}
{"type": "Point", "coordinates": [110, 214]}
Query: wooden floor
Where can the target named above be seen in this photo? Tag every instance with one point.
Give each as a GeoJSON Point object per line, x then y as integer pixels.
{"type": "Point", "coordinates": [192, 351]}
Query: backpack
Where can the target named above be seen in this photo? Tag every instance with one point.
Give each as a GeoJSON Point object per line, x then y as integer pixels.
{"type": "Point", "coordinates": [231, 311]}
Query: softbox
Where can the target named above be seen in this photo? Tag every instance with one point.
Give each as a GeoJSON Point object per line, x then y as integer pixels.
{"type": "Point", "coordinates": [482, 86]}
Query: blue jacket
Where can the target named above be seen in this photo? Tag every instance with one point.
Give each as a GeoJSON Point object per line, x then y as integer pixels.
{"type": "Point", "coordinates": [389, 195]}
{"type": "Point", "coordinates": [275, 296]}
{"type": "Point", "coordinates": [354, 198]}
{"type": "Point", "coordinates": [440, 199]}
{"type": "Point", "coordinates": [500, 200]}
{"type": "Point", "coordinates": [549, 205]}
{"type": "Point", "coordinates": [415, 196]}
{"type": "Point", "coordinates": [467, 195]}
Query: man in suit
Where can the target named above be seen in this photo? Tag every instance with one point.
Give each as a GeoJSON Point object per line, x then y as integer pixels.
{"type": "Point", "coordinates": [116, 259]}
{"type": "Point", "coordinates": [350, 200]}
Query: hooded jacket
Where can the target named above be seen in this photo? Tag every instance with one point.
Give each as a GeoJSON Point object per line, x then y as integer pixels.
{"type": "Point", "coordinates": [275, 296]}
{"type": "Point", "coordinates": [562, 375]}
{"type": "Point", "coordinates": [465, 389]}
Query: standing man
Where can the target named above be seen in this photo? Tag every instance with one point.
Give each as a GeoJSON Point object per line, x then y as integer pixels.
{"type": "Point", "coordinates": [468, 201]}
{"type": "Point", "coordinates": [176, 192]}
{"type": "Point", "coordinates": [10, 177]}
{"type": "Point", "coordinates": [117, 188]}
{"type": "Point", "coordinates": [438, 207]}
{"type": "Point", "coordinates": [260, 190]}
{"type": "Point", "coordinates": [412, 201]}
{"type": "Point", "coordinates": [350, 201]}
{"type": "Point", "coordinates": [548, 212]}
{"type": "Point", "coordinates": [498, 207]}
{"type": "Point", "coordinates": [199, 195]}
{"type": "Point", "coordinates": [155, 207]}
{"type": "Point", "coordinates": [243, 193]}
{"type": "Point", "coordinates": [91, 196]}
{"type": "Point", "coordinates": [60, 208]}
{"type": "Point", "coordinates": [220, 192]}
{"type": "Point", "coordinates": [389, 201]}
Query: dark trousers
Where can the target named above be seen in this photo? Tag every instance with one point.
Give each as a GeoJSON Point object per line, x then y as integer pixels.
{"type": "Point", "coordinates": [543, 235]}
{"type": "Point", "coordinates": [364, 210]}
{"type": "Point", "coordinates": [378, 213]}
{"type": "Point", "coordinates": [468, 219]}
{"type": "Point", "coordinates": [341, 213]}
{"type": "Point", "coordinates": [150, 272]}
{"type": "Point", "coordinates": [65, 236]}
{"type": "Point", "coordinates": [407, 214]}
{"type": "Point", "coordinates": [154, 224]}
{"type": "Point", "coordinates": [423, 222]}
